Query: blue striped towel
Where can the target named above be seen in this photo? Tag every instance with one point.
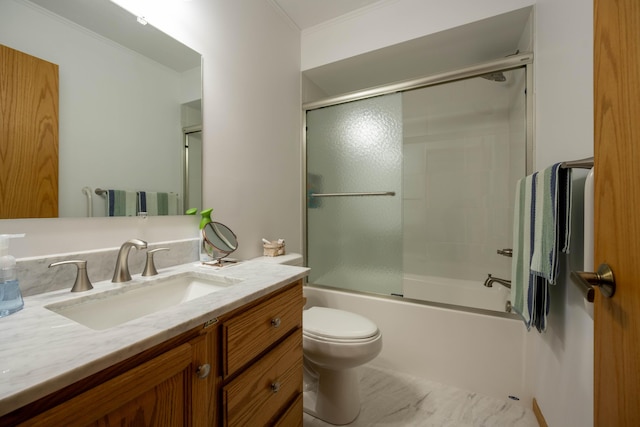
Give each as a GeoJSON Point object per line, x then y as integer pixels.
{"type": "Point", "coordinates": [541, 229]}
{"type": "Point", "coordinates": [121, 203]}
{"type": "Point", "coordinates": [158, 203]}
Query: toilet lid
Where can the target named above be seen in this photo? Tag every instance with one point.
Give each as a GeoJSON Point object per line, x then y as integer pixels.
{"type": "Point", "coordinates": [332, 323]}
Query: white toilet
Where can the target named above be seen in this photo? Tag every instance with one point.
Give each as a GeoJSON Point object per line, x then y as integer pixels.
{"type": "Point", "coordinates": [335, 343]}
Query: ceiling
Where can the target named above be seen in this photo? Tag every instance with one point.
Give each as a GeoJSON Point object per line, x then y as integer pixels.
{"type": "Point", "coordinates": [308, 13]}
{"type": "Point", "coordinates": [115, 23]}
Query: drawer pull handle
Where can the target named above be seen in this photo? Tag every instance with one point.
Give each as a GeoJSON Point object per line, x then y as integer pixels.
{"type": "Point", "coordinates": [275, 322]}
{"type": "Point", "coordinates": [275, 387]}
{"type": "Point", "coordinates": [203, 371]}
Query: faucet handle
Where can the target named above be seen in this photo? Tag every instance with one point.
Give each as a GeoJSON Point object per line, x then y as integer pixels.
{"type": "Point", "coordinates": [150, 267]}
{"type": "Point", "coordinates": [82, 282]}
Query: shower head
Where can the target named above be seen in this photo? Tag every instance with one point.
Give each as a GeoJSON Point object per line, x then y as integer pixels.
{"type": "Point", "coordinates": [497, 76]}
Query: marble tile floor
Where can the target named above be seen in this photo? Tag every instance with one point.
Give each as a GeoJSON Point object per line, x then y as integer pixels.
{"type": "Point", "coordinates": [393, 399]}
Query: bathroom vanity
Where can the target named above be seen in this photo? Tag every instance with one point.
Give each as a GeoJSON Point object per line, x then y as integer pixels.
{"type": "Point", "coordinates": [233, 357]}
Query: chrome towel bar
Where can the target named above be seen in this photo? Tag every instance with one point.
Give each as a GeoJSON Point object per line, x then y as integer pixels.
{"type": "Point", "coordinates": [578, 164]}
{"type": "Point", "coordinates": [375, 193]}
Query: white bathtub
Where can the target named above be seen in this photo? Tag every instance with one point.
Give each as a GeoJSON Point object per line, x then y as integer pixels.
{"type": "Point", "coordinates": [466, 349]}
{"type": "Point", "coordinates": [466, 293]}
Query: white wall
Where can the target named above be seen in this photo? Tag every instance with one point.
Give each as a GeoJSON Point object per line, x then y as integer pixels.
{"type": "Point", "coordinates": [560, 362]}
{"type": "Point", "coordinates": [251, 110]}
{"type": "Point", "coordinates": [562, 368]}
{"type": "Point", "coordinates": [251, 84]}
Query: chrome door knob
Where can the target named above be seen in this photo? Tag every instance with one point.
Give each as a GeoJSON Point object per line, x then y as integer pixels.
{"type": "Point", "coordinates": [602, 279]}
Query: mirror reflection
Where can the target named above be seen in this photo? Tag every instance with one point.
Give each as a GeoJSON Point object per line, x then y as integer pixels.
{"type": "Point", "coordinates": [129, 98]}
{"type": "Point", "coordinates": [219, 241]}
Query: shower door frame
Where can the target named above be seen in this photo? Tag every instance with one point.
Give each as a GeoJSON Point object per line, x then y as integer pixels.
{"type": "Point", "coordinates": [186, 167]}
{"type": "Point", "coordinates": [513, 62]}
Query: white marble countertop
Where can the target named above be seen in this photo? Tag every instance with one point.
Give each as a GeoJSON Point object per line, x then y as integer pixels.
{"type": "Point", "coordinates": [41, 351]}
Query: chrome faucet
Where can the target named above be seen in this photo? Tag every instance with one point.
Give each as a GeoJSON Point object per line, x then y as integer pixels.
{"type": "Point", "coordinates": [121, 273]}
{"type": "Point", "coordinates": [490, 281]}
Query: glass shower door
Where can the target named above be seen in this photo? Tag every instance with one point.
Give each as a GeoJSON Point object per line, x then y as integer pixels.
{"type": "Point", "coordinates": [354, 195]}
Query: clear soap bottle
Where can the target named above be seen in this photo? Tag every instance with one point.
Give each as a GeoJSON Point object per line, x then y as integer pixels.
{"type": "Point", "coordinates": [10, 295]}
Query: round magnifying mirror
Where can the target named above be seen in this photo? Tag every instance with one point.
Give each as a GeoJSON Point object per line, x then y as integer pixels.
{"type": "Point", "coordinates": [221, 240]}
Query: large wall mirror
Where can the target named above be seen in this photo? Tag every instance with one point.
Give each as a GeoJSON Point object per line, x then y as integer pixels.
{"type": "Point", "coordinates": [130, 102]}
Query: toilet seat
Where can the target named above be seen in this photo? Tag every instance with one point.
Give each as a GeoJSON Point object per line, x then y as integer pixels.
{"type": "Point", "coordinates": [332, 325]}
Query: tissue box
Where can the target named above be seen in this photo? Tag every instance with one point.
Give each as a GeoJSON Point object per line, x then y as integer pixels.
{"type": "Point", "coordinates": [273, 249]}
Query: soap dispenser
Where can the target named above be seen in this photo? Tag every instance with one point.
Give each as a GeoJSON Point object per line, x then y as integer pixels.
{"type": "Point", "coordinates": [10, 296]}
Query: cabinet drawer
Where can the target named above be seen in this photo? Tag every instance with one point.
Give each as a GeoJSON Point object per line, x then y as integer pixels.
{"type": "Point", "coordinates": [293, 416]}
{"type": "Point", "coordinates": [250, 333]}
{"type": "Point", "coordinates": [266, 388]}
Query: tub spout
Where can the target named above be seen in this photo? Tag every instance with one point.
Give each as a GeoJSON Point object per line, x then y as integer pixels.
{"type": "Point", "coordinates": [491, 280]}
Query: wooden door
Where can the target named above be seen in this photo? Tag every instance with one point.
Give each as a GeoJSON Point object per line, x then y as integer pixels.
{"type": "Point", "coordinates": [28, 136]}
{"type": "Point", "coordinates": [617, 210]}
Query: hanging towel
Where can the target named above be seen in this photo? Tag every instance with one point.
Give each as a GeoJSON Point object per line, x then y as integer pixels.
{"type": "Point", "coordinates": [158, 203]}
{"type": "Point", "coordinates": [142, 203]}
{"type": "Point", "coordinates": [521, 278]}
{"type": "Point", "coordinates": [541, 229]}
{"type": "Point", "coordinates": [552, 219]}
{"type": "Point", "coordinates": [172, 208]}
{"type": "Point", "coordinates": [121, 203]}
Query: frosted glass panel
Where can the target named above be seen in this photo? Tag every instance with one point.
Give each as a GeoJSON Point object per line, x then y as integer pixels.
{"type": "Point", "coordinates": [355, 242]}
{"type": "Point", "coordinates": [464, 150]}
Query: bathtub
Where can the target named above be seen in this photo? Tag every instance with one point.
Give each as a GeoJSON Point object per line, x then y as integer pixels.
{"type": "Point", "coordinates": [470, 349]}
{"type": "Point", "coordinates": [466, 293]}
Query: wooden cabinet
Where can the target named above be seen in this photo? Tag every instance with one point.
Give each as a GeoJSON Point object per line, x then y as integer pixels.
{"type": "Point", "coordinates": [241, 369]}
{"type": "Point", "coordinates": [157, 392]}
{"type": "Point", "coordinates": [262, 362]}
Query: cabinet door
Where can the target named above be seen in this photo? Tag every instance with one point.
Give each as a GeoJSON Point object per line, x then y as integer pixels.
{"type": "Point", "coordinates": [156, 393]}
{"type": "Point", "coordinates": [204, 375]}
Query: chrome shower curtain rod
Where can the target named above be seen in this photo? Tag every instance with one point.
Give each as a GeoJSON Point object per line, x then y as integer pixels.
{"type": "Point", "coordinates": [372, 193]}
{"type": "Point", "coordinates": [503, 64]}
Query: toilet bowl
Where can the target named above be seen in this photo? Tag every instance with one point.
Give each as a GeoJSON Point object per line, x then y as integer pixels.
{"type": "Point", "coordinates": [335, 343]}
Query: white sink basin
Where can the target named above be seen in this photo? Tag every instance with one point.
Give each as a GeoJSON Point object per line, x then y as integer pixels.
{"type": "Point", "coordinates": [132, 301]}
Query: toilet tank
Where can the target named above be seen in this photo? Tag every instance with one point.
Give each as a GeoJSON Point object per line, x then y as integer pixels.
{"type": "Point", "coordinates": [288, 259]}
